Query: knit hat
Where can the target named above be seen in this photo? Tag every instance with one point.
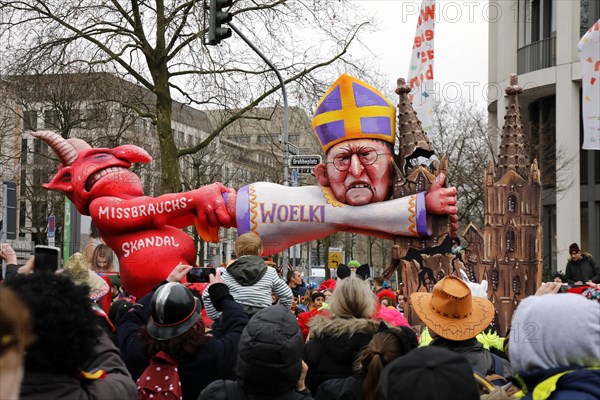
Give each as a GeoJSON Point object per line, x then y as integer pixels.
{"type": "Point", "coordinates": [429, 373]}
{"type": "Point", "coordinates": [343, 271]}
{"type": "Point", "coordinates": [452, 311]}
{"type": "Point", "coordinates": [271, 345]}
{"type": "Point", "coordinates": [574, 248]}
{"type": "Point", "coordinates": [80, 272]}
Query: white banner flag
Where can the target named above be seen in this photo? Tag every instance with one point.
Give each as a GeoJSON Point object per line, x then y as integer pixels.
{"type": "Point", "coordinates": [589, 56]}
{"type": "Point", "coordinates": [420, 73]}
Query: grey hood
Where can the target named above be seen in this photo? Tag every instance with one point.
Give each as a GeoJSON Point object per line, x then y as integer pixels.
{"type": "Point", "coordinates": [555, 330]}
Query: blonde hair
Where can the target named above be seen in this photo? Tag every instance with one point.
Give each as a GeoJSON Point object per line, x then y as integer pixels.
{"type": "Point", "coordinates": [352, 298]}
{"type": "Point", "coordinates": [102, 250]}
{"type": "Point", "coordinates": [307, 301]}
{"type": "Point", "coordinates": [248, 244]}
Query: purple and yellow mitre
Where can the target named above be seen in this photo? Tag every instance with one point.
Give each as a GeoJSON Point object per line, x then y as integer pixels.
{"type": "Point", "coordinates": [352, 109]}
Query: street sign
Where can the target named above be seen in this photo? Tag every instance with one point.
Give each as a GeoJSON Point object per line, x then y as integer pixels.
{"type": "Point", "coordinates": [303, 170]}
{"type": "Point", "coordinates": [51, 226]}
{"type": "Point", "coordinates": [51, 230]}
{"type": "Point", "coordinates": [304, 161]}
{"type": "Point", "coordinates": [335, 258]}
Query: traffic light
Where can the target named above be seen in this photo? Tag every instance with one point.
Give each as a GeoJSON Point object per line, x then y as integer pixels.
{"type": "Point", "coordinates": [217, 17]}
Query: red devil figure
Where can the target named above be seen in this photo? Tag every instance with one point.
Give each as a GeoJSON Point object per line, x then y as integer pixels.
{"type": "Point", "coordinates": [145, 232]}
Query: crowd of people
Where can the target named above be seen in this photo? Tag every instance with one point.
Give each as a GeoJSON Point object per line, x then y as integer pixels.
{"type": "Point", "coordinates": [252, 335]}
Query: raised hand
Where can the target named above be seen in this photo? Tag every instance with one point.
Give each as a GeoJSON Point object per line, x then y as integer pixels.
{"type": "Point", "coordinates": [440, 201]}
{"type": "Point", "coordinates": [211, 211]}
{"type": "Point", "coordinates": [179, 272]}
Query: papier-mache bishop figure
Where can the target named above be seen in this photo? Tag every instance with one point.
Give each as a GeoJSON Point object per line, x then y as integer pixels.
{"type": "Point", "coordinates": [356, 127]}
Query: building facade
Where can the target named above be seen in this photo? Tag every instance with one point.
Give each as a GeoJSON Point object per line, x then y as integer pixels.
{"type": "Point", "coordinates": [248, 150]}
{"type": "Point", "coordinates": [538, 40]}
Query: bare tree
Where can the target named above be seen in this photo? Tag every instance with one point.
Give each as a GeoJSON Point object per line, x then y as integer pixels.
{"type": "Point", "coordinates": [463, 137]}
{"type": "Point", "coordinates": [159, 45]}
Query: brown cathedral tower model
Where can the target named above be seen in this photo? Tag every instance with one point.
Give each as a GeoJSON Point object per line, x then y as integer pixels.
{"type": "Point", "coordinates": [508, 254]}
{"type": "Point", "coordinates": [419, 166]}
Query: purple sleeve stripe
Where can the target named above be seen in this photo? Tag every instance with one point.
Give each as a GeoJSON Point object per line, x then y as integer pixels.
{"type": "Point", "coordinates": [242, 210]}
{"type": "Point", "coordinates": [422, 215]}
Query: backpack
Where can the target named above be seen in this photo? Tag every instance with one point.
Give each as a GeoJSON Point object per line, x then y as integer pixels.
{"type": "Point", "coordinates": [160, 378]}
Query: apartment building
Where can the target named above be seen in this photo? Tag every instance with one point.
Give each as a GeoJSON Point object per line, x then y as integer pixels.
{"type": "Point", "coordinates": [538, 40]}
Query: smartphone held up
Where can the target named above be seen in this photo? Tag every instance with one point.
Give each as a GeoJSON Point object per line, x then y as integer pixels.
{"type": "Point", "coordinates": [47, 259]}
{"type": "Point", "coordinates": [200, 275]}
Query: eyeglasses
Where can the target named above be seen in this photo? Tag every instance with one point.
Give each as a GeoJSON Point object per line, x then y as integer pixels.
{"type": "Point", "coordinates": [366, 156]}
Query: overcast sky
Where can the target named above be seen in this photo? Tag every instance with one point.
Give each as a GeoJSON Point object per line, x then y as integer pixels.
{"type": "Point", "coordinates": [461, 43]}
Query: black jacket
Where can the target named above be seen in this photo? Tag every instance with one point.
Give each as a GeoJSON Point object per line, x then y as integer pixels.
{"type": "Point", "coordinates": [117, 384]}
{"type": "Point", "coordinates": [480, 359]}
{"type": "Point", "coordinates": [216, 360]}
{"type": "Point", "coordinates": [333, 346]}
{"type": "Point", "coordinates": [269, 360]}
{"type": "Point", "coordinates": [350, 388]}
{"type": "Point", "coordinates": [583, 270]}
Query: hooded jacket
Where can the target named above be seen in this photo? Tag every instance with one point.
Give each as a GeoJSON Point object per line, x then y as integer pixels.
{"type": "Point", "coordinates": [251, 284]}
{"type": "Point", "coordinates": [269, 359]}
{"type": "Point", "coordinates": [333, 346]}
{"type": "Point", "coordinates": [553, 334]}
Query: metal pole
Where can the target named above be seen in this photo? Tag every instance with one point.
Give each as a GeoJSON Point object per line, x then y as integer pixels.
{"type": "Point", "coordinates": [286, 149]}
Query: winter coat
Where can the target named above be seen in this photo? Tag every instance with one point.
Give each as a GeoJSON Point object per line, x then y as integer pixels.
{"type": "Point", "coordinates": [215, 360]}
{"type": "Point", "coordinates": [117, 384]}
{"type": "Point", "coordinates": [583, 270]}
{"type": "Point", "coordinates": [269, 360]}
{"type": "Point", "coordinates": [333, 346]}
{"type": "Point", "coordinates": [563, 384]}
{"type": "Point", "coordinates": [350, 388]}
{"type": "Point", "coordinates": [233, 390]}
{"type": "Point", "coordinates": [251, 284]}
{"type": "Point", "coordinates": [480, 359]}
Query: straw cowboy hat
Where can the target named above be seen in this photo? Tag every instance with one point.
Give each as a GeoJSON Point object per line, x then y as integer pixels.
{"type": "Point", "coordinates": [451, 311]}
{"type": "Point", "coordinates": [78, 269]}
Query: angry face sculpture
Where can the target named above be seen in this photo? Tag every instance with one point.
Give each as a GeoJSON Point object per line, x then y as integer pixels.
{"type": "Point", "coordinates": [145, 232]}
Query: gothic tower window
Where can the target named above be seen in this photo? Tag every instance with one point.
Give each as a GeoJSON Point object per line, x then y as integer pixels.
{"type": "Point", "coordinates": [510, 241]}
{"type": "Point", "coordinates": [495, 279]}
{"type": "Point", "coordinates": [517, 285]}
{"type": "Point", "coordinates": [440, 275]}
{"type": "Point", "coordinates": [512, 204]}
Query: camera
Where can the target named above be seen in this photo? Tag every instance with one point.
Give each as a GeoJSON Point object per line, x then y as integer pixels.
{"type": "Point", "coordinates": [200, 275]}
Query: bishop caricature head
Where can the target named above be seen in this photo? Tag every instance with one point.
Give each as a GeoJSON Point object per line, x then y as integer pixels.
{"type": "Point", "coordinates": [356, 127]}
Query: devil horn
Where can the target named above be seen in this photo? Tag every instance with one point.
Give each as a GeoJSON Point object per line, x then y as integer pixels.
{"type": "Point", "coordinates": [63, 149]}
